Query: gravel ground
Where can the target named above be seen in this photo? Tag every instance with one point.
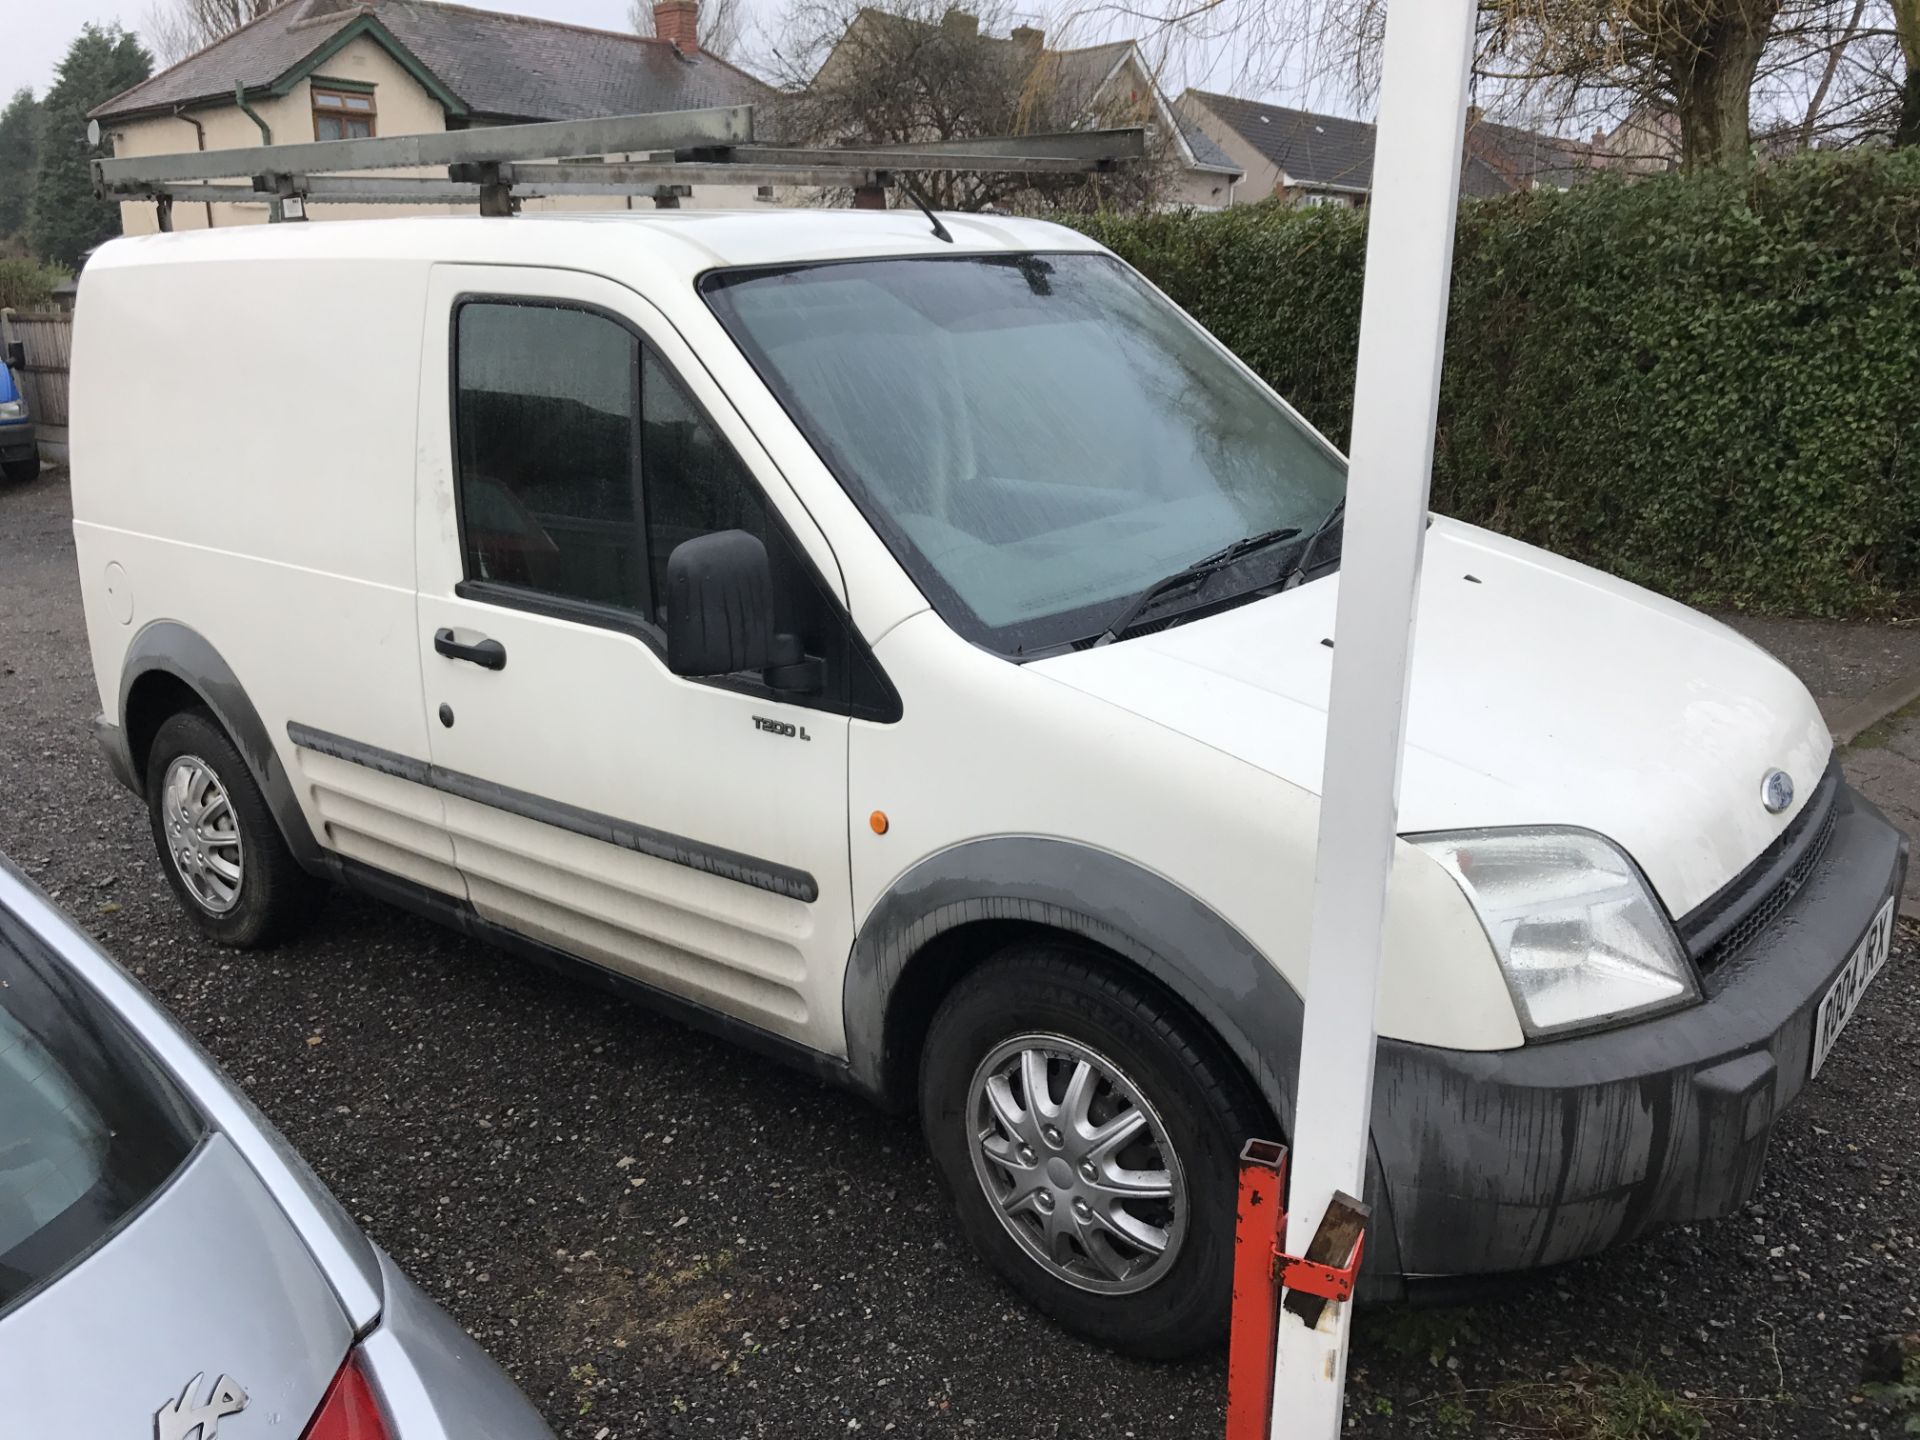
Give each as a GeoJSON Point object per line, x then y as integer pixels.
{"type": "Point", "coordinates": [659, 1235]}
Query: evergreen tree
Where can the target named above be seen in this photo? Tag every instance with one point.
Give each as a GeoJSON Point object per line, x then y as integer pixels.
{"type": "Point", "coordinates": [67, 220]}
{"type": "Point", "coordinates": [19, 149]}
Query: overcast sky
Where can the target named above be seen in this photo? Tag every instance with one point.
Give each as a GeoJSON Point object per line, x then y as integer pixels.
{"type": "Point", "coordinates": [34, 35]}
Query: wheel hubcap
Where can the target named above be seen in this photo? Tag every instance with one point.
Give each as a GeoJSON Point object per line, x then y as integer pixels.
{"type": "Point", "coordinates": [203, 833]}
{"type": "Point", "coordinates": [1077, 1164]}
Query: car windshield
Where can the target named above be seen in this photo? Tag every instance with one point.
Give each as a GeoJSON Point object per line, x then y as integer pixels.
{"type": "Point", "coordinates": [89, 1127]}
{"type": "Point", "coordinates": [1038, 438]}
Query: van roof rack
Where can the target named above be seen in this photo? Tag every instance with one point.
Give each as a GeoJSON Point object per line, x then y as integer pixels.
{"type": "Point", "coordinates": [496, 167]}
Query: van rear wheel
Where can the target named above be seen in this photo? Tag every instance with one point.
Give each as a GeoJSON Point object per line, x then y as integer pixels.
{"type": "Point", "coordinates": [1089, 1134]}
{"type": "Point", "coordinates": [221, 849]}
{"type": "Point", "coordinates": [21, 471]}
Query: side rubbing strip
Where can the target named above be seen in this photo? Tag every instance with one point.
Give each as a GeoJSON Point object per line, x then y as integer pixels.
{"type": "Point", "coordinates": [677, 849]}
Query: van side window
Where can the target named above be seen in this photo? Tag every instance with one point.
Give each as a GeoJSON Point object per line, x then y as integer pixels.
{"type": "Point", "coordinates": [581, 462]}
{"type": "Point", "coordinates": [547, 453]}
{"type": "Point", "coordinates": [694, 484]}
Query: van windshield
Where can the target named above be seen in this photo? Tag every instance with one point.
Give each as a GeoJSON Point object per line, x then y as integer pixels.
{"type": "Point", "coordinates": [1037, 438]}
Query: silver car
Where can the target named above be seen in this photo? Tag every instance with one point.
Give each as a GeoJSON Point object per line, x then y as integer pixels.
{"type": "Point", "coordinates": [169, 1267]}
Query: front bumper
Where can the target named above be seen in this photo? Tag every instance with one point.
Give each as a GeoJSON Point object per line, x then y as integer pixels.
{"type": "Point", "coordinates": [1518, 1158]}
{"type": "Point", "coordinates": [17, 441]}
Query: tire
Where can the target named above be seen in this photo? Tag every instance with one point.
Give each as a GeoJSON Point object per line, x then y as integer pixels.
{"type": "Point", "coordinates": [22, 471]}
{"type": "Point", "coordinates": [1069, 1008]}
{"type": "Point", "coordinates": [243, 889]}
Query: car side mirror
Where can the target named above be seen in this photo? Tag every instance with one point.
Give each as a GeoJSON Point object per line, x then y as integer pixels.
{"type": "Point", "coordinates": [719, 605]}
{"type": "Point", "coordinates": [17, 354]}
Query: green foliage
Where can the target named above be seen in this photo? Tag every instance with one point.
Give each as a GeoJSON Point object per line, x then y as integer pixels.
{"type": "Point", "coordinates": [1901, 1395]}
{"type": "Point", "coordinates": [67, 221]}
{"type": "Point", "coordinates": [27, 284]}
{"type": "Point", "coordinates": [19, 152]}
{"type": "Point", "coordinates": [1599, 1404]}
{"type": "Point", "coordinates": [1706, 384]}
{"type": "Point", "coordinates": [1410, 1331]}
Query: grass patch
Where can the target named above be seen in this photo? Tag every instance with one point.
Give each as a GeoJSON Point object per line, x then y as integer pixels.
{"type": "Point", "coordinates": [1406, 1331]}
{"type": "Point", "coordinates": [1900, 1358]}
{"type": "Point", "coordinates": [1598, 1404]}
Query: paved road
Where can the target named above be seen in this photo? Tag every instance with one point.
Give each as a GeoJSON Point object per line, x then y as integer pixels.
{"type": "Point", "coordinates": [659, 1235]}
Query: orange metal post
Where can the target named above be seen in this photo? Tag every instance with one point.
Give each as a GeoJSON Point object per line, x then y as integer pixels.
{"type": "Point", "coordinates": [1262, 1220]}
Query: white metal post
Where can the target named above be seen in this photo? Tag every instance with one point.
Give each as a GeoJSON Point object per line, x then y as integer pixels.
{"type": "Point", "coordinates": [1403, 314]}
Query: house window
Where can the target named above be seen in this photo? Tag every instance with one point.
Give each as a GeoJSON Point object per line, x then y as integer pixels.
{"type": "Point", "coordinates": [342, 114]}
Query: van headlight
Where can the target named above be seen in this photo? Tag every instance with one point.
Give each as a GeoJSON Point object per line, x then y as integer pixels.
{"type": "Point", "coordinates": [1580, 936]}
{"type": "Point", "coordinates": [13, 409]}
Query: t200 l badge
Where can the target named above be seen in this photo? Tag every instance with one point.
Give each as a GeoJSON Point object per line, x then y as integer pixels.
{"type": "Point", "coordinates": [781, 727]}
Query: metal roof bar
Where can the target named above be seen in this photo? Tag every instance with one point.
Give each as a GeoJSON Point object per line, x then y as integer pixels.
{"type": "Point", "coordinates": [1123, 144]}
{"type": "Point", "coordinates": [614, 134]}
{"type": "Point", "coordinates": [498, 166]}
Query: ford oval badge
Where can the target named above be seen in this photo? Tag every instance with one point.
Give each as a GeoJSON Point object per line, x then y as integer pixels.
{"type": "Point", "coordinates": [1776, 791]}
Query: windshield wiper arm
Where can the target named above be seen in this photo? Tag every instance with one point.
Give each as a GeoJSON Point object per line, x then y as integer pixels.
{"type": "Point", "coordinates": [1191, 575]}
{"type": "Point", "coordinates": [1304, 559]}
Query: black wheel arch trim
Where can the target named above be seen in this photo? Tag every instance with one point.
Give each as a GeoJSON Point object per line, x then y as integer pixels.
{"type": "Point", "coordinates": [1169, 934]}
{"type": "Point", "coordinates": [171, 648]}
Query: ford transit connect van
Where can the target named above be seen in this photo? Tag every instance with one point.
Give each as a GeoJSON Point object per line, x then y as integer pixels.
{"type": "Point", "coordinates": [909, 656]}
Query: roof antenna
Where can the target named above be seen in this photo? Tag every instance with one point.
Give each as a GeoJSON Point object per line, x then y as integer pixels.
{"type": "Point", "coordinates": [913, 194]}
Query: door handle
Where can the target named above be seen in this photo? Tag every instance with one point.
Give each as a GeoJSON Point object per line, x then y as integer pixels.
{"type": "Point", "coordinates": [487, 654]}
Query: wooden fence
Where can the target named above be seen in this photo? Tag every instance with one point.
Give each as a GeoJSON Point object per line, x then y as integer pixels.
{"type": "Point", "coordinates": [48, 337]}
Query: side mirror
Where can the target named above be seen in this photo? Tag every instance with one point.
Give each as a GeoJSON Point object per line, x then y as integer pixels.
{"type": "Point", "coordinates": [719, 605]}
{"type": "Point", "coordinates": [17, 354]}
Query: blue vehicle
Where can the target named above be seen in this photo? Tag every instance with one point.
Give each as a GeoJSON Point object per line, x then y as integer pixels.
{"type": "Point", "coordinates": [19, 451]}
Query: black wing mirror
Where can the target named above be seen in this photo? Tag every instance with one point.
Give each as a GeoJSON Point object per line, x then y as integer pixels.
{"type": "Point", "coordinates": [719, 605]}
{"type": "Point", "coordinates": [17, 354]}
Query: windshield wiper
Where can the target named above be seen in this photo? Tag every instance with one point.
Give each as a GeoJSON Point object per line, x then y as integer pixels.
{"type": "Point", "coordinates": [1304, 560]}
{"type": "Point", "coordinates": [1192, 574]}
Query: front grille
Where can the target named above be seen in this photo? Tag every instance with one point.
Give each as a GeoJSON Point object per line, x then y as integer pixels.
{"type": "Point", "coordinates": [1729, 923]}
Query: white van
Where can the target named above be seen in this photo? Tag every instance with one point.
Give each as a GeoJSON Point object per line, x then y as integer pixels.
{"type": "Point", "coordinates": [909, 656]}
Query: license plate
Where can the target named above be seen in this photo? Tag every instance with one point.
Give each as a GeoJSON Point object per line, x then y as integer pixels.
{"type": "Point", "coordinates": [1843, 996]}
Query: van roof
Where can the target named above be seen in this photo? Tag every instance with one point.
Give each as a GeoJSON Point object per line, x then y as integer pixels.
{"type": "Point", "coordinates": [684, 241]}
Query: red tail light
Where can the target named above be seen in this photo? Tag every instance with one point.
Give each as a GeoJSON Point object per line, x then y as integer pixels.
{"type": "Point", "coordinates": [350, 1411]}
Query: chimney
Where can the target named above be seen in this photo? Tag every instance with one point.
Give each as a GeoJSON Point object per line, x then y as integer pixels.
{"type": "Point", "coordinates": [1028, 36]}
{"type": "Point", "coordinates": [961, 22]}
{"type": "Point", "coordinates": [678, 21]}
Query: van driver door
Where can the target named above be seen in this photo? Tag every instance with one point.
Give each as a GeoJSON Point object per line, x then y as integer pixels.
{"type": "Point", "coordinates": [690, 833]}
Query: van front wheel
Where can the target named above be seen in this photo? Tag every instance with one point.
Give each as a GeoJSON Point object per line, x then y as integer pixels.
{"type": "Point", "coordinates": [1089, 1134]}
{"type": "Point", "coordinates": [221, 849]}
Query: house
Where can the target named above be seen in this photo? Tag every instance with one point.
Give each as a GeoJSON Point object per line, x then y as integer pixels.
{"type": "Point", "coordinates": [1328, 160]}
{"type": "Point", "coordinates": [335, 69]}
{"type": "Point", "coordinates": [1112, 85]}
{"type": "Point", "coordinates": [1086, 87]}
{"type": "Point", "coordinates": [1646, 142]}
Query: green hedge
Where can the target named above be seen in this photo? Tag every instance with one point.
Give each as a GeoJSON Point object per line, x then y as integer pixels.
{"type": "Point", "coordinates": [1709, 385]}
{"type": "Point", "coordinates": [27, 284]}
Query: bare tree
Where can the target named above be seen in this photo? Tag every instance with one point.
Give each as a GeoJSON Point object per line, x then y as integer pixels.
{"type": "Point", "coordinates": [723, 24]}
{"type": "Point", "coordinates": [903, 71]}
{"type": "Point", "coordinates": [175, 29]}
{"type": "Point", "coordinates": [1695, 68]}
